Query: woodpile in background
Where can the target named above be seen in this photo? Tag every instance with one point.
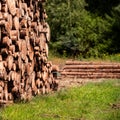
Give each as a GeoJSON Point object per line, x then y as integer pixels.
{"type": "Point", "coordinates": [24, 35]}
{"type": "Point", "coordinates": [91, 70]}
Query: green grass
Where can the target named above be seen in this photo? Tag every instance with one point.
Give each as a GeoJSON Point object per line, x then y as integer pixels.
{"type": "Point", "coordinates": [104, 58]}
{"type": "Point", "coordinates": [92, 101]}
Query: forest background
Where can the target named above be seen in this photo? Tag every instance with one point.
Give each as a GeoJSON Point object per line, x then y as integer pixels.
{"type": "Point", "coordinates": [84, 28]}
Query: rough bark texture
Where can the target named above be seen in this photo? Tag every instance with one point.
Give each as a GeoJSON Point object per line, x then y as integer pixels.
{"type": "Point", "coordinates": [91, 70]}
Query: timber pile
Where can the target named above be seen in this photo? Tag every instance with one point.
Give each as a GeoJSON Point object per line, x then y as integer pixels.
{"type": "Point", "coordinates": [24, 35]}
{"type": "Point", "coordinates": [91, 70]}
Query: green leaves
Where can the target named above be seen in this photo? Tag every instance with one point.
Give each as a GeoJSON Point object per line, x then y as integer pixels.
{"type": "Point", "coordinates": [80, 32]}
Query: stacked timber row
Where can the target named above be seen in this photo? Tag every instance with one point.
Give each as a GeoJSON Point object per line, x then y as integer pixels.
{"type": "Point", "coordinates": [24, 35]}
{"type": "Point", "coordinates": [91, 70]}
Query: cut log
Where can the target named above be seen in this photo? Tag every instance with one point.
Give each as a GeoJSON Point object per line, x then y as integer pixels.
{"type": "Point", "coordinates": [23, 23]}
{"type": "Point", "coordinates": [10, 61]}
{"type": "Point", "coordinates": [16, 23]}
{"type": "Point", "coordinates": [22, 69]}
{"type": "Point", "coordinates": [4, 51]}
{"type": "Point", "coordinates": [29, 68]}
{"type": "Point", "coordinates": [12, 49]}
{"type": "Point", "coordinates": [89, 63]}
{"type": "Point", "coordinates": [18, 14]}
{"type": "Point", "coordinates": [14, 67]}
{"type": "Point", "coordinates": [0, 6]}
{"type": "Point", "coordinates": [6, 91]}
{"type": "Point", "coordinates": [24, 32]}
{"type": "Point", "coordinates": [14, 35]}
{"type": "Point", "coordinates": [24, 7]}
{"type": "Point", "coordinates": [10, 20]}
{"type": "Point", "coordinates": [19, 45]}
{"type": "Point", "coordinates": [6, 41]}
{"type": "Point", "coordinates": [47, 29]}
{"type": "Point", "coordinates": [7, 28]}
{"type": "Point", "coordinates": [91, 66]}
{"type": "Point", "coordinates": [11, 6]}
{"type": "Point", "coordinates": [2, 23]}
{"type": "Point", "coordinates": [33, 79]}
{"type": "Point", "coordinates": [5, 16]}
{"type": "Point", "coordinates": [47, 87]}
{"type": "Point", "coordinates": [23, 50]}
{"type": "Point", "coordinates": [24, 37]}
{"type": "Point", "coordinates": [43, 89]}
{"type": "Point", "coordinates": [2, 70]}
{"type": "Point", "coordinates": [19, 63]}
{"type": "Point", "coordinates": [4, 8]}
{"type": "Point", "coordinates": [1, 93]}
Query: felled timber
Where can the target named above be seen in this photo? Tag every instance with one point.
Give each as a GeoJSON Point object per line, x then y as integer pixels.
{"type": "Point", "coordinates": [24, 35]}
{"type": "Point", "coordinates": [91, 70]}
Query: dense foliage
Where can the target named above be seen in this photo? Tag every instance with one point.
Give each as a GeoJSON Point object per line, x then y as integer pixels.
{"type": "Point", "coordinates": [84, 27]}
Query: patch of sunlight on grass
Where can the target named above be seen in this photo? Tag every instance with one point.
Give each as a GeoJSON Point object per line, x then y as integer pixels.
{"type": "Point", "coordinates": [89, 102]}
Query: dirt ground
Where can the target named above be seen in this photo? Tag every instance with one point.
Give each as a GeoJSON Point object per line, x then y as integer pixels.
{"type": "Point", "coordinates": [73, 82]}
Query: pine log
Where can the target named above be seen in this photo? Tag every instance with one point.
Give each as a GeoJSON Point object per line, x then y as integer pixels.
{"type": "Point", "coordinates": [44, 76]}
{"type": "Point", "coordinates": [89, 63]}
{"type": "Point", "coordinates": [43, 89]}
{"type": "Point", "coordinates": [12, 49]}
{"type": "Point", "coordinates": [23, 50]}
{"type": "Point", "coordinates": [7, 28]}
{"type": "Point", "coordinates": [22, 69]}
{"type": "Point", "coordinates": [6, 41]}
{"type": "Point", "coordinates": [47, 87]}
{"type": "Point", "coordinates": [14, 35]}
{"type": "Point", "coordinates": [24, 37]}
{"type": "Point", "coordinates": [10, 97]}
{"type": "Point", "coordinates": [1, 16]}
{"type": "Point", "coordinates": [24, 32]}
{"type": "Point", "coordinates": [46, 49]}
{"type": "Point", "coordinates": [19, 45]}
{"type": "Point", "coordinates": [24, 7]}
{"type": "Point", "coordinates": [2, 23]}
{"type": "Point", "coordinates": [16, 23]}
{"type": "Point", "coordinates": [5, 16]}
{"type": "Point", "coordinates": [47, 29]}
{"type": "Point", "coordinates": [14, 67]}
{"type": "Point", "coordinates": [34, 26]}
{"type": "Point", "coordinates": [2, 70]}
{"type": "Point", "coordinates": [1, 93]}
{"type": "Point", "coordinates": [6, 91]}
{"type": "Point", "coordinates": [36, 15]}
{"type": "Point", "coordinates": [19, 62]}
{"type": "Point", "coordinates": [33, 79]}
{"type": "Point", "coordinates": [0, 6]}
{"type": "Point", "coordinates": [18, 14]}
{"type": "Point", "coordinates": [29, 68]}
{"type": "Point", "coordinates": [89, 73]}
{"type": "Point", "coordinates": [38, 83]}
{"type": "Point", "coordinates": [11, 6]}
{"type": "Point", "coordinates": [10, 21]}
{"type": "Point", "coordinates": [23, 23]}
{"type": "Point", "coordinates": [4, 8]}
{"type": "Point", "coordinates": [4, 51]}
{"type": "Point", "coordinates": [42, 41]}
{"type": "Point", "coordinates": [91, 66]}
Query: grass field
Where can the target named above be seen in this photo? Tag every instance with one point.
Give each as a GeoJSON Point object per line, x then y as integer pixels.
{"type": "Point", "coordinates": [92, 101]}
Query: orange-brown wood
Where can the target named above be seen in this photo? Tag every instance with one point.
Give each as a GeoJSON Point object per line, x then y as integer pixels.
{"type": "Point", "coordinates": [12, 6]}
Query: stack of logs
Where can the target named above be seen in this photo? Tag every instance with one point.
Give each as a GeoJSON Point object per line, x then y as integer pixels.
{"type": "Point", "coordinates": [24, 35]}
{"type": "Point", "coordinates": [91, 70]}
